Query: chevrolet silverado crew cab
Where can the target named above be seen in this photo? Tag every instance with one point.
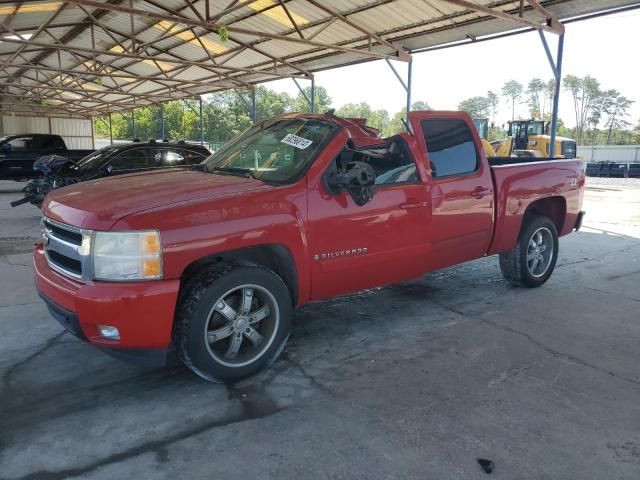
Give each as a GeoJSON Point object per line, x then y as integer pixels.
{"type": "Point", "coordinates": [210, 263]}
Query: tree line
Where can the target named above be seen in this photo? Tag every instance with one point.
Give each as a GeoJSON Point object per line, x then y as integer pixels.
{"type": "Point", "coordinates": [601, 115]}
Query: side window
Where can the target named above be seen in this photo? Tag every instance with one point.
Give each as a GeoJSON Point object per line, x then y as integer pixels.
{"type": "Point", "coordinates": [167, 157]}
{"type": "Point", "coordinates": [50, 144]}
{"type": "Point", "coordinates": [21, 144]}
{"type": "Point", "coordinates": [392, 162]}
{"type": "Point", "coordinates": [450, 146]}
{"type": "Point", "coordinates": [130, 159]}
{"type": "Point", "coordinates": [193, 157]}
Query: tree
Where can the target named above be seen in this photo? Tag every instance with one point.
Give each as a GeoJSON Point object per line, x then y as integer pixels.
{"type": "Point", "coordinates": [378, 119]}
{"type": "Point", "coordinates": [535, 89]}
{"type": "Point", "coordinates": [323, 100]}
{"type": "Point", "coordinates": [477, 107]}
{"type": "Point", "coordinates": [616, 112]}
{"type": "Point", "coordinates": [547, 98]}
{"type": "Point", "coordinates": [420, 106]}
{"type": "Point", "coordinates": [512, 91]}
{"type": "Point", "coordinates": [493, 102]}
{"type": "Point", "coordinates": [270, 103]}
{"type": "Point", "coordinates": [586, 94]}
{"type": "Point", "coordinates": [396, 124]}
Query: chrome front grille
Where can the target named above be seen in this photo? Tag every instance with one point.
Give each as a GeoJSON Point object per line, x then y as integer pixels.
{"type": "Point", "coordinates": [66, 248]}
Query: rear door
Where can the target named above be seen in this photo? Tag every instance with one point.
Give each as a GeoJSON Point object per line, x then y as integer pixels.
{"type": "Point", "coordinates": [462, 195]}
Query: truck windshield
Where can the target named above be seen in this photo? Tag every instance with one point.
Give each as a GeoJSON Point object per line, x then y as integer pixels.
{"type": "Point", "coordinates": [277, 151]}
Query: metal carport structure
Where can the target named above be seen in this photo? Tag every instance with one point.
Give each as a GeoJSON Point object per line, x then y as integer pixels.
{"type": "Point", "coordinates": [84, 58]}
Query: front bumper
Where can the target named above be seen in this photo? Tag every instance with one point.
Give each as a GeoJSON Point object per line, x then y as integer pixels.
{"type": "Point", "coordinates": [141, 311]}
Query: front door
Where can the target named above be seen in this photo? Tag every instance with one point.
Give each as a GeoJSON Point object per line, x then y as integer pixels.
{"type": "Point", "coordinates": [461, 187]}
{"type": "Point", "coordinates": [384, 241]}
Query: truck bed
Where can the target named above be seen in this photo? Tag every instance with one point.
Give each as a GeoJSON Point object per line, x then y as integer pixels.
{"type": "Point", "coordinates": [520, 183]}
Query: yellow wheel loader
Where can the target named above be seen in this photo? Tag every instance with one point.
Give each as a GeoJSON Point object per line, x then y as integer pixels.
{"type": "Point", "coordinates": [530, 138]}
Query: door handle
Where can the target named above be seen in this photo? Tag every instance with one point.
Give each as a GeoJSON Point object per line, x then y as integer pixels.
{"type": "Point", "coordinates": [413, 204]}
{"type": "Point", "coordinates": [479, 192]}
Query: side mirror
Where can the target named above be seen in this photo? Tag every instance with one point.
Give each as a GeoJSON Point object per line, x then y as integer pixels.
{"type": "Point", "coordinates": [358, 179]}
{"type": "Point", "coordinates": [6, 147]}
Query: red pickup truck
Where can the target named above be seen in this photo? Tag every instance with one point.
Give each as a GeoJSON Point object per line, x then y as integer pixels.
{"type": "Point", "coordinates": [209, 263]}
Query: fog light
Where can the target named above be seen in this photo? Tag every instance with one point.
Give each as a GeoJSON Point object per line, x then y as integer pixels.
{"type": "Point", "coordinates": [107, 331]}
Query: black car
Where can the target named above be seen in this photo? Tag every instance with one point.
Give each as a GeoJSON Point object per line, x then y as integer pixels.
{"type": "Point", "coordinates": [108, 161]}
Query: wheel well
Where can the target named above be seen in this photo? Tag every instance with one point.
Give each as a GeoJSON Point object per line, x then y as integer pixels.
{"type": "Point", "coordinates": [275, 257]}
{"type": "Point", "coordinates": [555, 208]}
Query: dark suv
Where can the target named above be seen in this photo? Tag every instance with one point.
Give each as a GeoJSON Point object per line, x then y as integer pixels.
{"type": "Point", "coordinates": [111, 160]}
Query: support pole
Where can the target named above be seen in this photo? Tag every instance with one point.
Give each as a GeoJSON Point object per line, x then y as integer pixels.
{"type": "Point", "coordinates": [253, 105]}
{"type": "Point", "coordinates": [133, 124]}
{"type": "Point", "coordinates": [110, 130]}
{"type": "Point", "coordinates": [313, 95]}
{"type": "Point", "coordinates": [302, 92]}
{"type": "Point", "coordinates": [556, 96]}
{"type": "Point", "coordinates": [201, 124]}
{"type": "Point", "coordinates": [409, 75]}
{"type": "Point", "coordinates": [162, 122]}
{"type": "Point", "coordinates": [407, 87]}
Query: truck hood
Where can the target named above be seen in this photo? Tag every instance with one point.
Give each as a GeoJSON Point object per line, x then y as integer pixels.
{"type": "Point", "coordinates": [98, 204]}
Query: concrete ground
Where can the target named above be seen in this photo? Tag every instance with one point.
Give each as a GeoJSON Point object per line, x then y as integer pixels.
{"type": "Point", "coordinates": [410, 381]}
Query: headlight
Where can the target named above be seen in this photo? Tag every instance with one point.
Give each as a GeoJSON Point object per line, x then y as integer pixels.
{"type": "Point", "coordinates": [127, 255]}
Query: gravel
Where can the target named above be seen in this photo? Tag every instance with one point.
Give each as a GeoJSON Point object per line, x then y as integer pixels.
{"type": "Point", "coordinates": [617, 182]}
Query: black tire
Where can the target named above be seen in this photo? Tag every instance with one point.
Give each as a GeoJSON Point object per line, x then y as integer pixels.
{"type": "Point", "coordinates": [515, 265]}
{"type": "Point", "coordinates": [200, 319]}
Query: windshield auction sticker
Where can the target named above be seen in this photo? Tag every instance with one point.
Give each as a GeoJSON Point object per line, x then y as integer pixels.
{"type": "Point", "coordinates": [296, 141]}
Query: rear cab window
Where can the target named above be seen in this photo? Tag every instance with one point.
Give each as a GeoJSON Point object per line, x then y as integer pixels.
{"type": "Point", "coordinates": [450, 147]}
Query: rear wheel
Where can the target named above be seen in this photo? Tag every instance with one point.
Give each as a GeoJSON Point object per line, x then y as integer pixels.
{"type": "Point", "coordinates": [232, 321]}
{"type": "Point", "coordinates": [533, 260]}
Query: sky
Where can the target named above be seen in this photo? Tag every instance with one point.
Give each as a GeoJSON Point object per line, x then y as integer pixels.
{"type": "Point", "coordinates": [605, 48]}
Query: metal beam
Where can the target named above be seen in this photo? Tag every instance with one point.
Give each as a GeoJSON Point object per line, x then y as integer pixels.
{"type": "Point", "coordinates": [253, 105]}
{"type": "Point", "coordinates": [552, 62]}
{"type": "Point", "coordinates": [556, 96]}
{"type": "Point", "coordinates": [555, 28]}
{"type": "Point", "coordinates": [137, 56]}
{"type": "Point", "coordinates": [551, 19]}
{"type": "Point", "coordinates": [110, 130]}
{"type": "Point", "coordinates": [201, 124]}
{"type": "Point", "coordinates": [409, 79]}
{"type": "Point", "coordinates": [231, 29]}
{"type": "Point", "coordinates": [162, 136]}
{"type": "Point", "coordinates": [360, 28]}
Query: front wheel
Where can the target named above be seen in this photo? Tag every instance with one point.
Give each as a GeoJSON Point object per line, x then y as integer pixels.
{"type": "Point", "coordinates": [533, 260]}
{"type": "Point", "coordinates": [232, 321]}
